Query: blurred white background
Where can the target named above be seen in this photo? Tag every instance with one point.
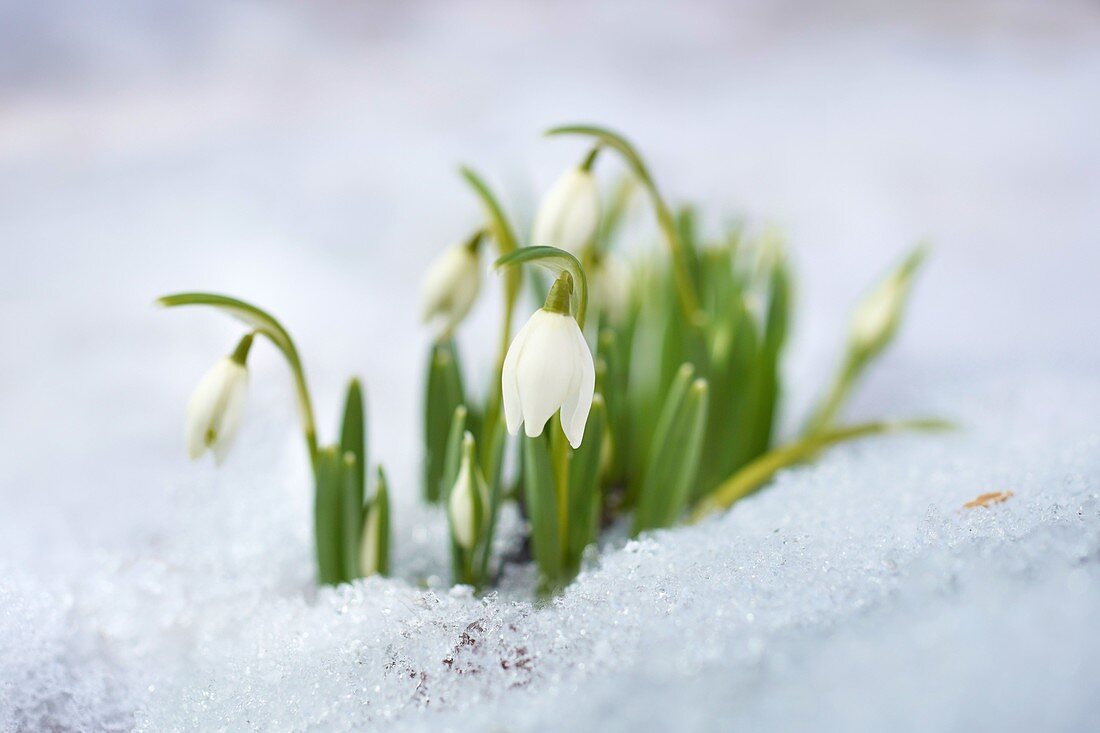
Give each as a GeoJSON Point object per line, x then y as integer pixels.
{"type": "Point", "coordinates": [303, 156]}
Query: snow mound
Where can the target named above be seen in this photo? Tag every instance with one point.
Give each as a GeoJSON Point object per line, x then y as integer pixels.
{"type": "Point", "coordinates": [857, 593]}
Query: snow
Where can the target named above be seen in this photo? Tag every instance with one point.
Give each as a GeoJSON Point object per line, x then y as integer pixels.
{"type": "Point", "coordinates": [291, 156]}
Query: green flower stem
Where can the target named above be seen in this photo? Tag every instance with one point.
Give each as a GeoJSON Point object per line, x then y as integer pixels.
{"type": "Point", "coordinates": [685, 286]}
{"type": "Point", "coordinates": [558, 262]}
{"type": "Point", "coordinates": [507, 243]}
{"type": "Point", "coordinates": [560, 455]}
{"type": "Point", "coordinates": [825, 415]}
{"type": "Point", "coordinates": [758, 472]}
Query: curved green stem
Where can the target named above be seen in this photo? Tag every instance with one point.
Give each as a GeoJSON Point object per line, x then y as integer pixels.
{"type": "Point", "coordinates": [556, 261]}
{"type": "Point", "coordinates": [264, 323]}
{"type": "Point", "coordinates": [685, 285]}
{"type": "Point", "coordinates": [507, 242]}
{"type": "Point", "coordinates": [755, 474]}
{"type": "Point", "coordinates": [825, 414]}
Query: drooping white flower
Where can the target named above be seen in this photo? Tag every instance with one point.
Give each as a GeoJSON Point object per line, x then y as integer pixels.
{"type": "Point", "coordinates": [450, 287]}
{"type": "Point", "coordinates": [216, 406]}
{"type": "Point", "coordinates": [569, 213]}
{"type": "Point", "coordinates": [548, 367]}
{"type": "Point", "coordinates": [468, 502]}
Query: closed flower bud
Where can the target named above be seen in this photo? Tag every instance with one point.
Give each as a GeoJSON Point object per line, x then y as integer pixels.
{"type": "Point", "coordinates": [468, 503]}
{"type": "Point", "coordinates": [217, 404]}
{"type": "Point", "coordinates": [374, 538]}
{"type": "Point", "coordinates": [450, 287]}
{"type": "Point", "coordinates": [368, 546]}
{"type": "Point", "coordinates": [549, 367]}
{"type": "Point", "coordinates": [877, 316]}
{"type": "Point", "coordinates": [570, 212]}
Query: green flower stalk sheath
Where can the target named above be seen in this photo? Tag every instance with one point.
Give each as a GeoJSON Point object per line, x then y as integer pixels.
{"type": "Point", "coordinates": [507, 243]}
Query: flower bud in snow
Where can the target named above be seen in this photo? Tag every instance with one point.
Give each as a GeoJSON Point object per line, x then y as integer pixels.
{"type": "Point", "coordinates": [450, 286]}
{"type": "Point", "coordinates": [877, 316]}
{"type": "Point", "coordinates": [216, 405]}
{"type": "Point", "coordinates": [570, 212]}
{"type": "Point", "coordinates": [368, 547]}
{"type": "Point", "coordinates": [374, 537]}
{"type": "Point", "coordinates": [468, 502]}
{"type": "Point", "coordinates": [549, 367]}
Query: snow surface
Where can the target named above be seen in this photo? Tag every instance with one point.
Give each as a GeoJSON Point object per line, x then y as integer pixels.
{"type": "Point", "coordinates": [303, 158]}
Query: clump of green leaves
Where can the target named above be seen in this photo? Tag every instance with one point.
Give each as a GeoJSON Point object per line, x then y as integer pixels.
{"type": "Point", "coordinates": [665, 373]}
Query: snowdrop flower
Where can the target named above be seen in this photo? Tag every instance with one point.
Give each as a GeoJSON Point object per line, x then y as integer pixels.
{"type": "Point", "coordinates": [468, 503]}
{"type": "Point", "coordinates": [216, 405]}
{"type": "Point", "coordinates": [570, 212]}
{"type": "Point", "coordinates": [877, 316]}
{"type": "Point", "coordinates": [451, 285]}
{"type": "Point", "coordinates": [549, 367]}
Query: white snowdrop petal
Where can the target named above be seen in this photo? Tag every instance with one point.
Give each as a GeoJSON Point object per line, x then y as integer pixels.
{"type": "Point", "coordinates": [509, 381]}
{"type": "Point", "coordinates": [542, 374]}
{"type": "Point", "coordinates": [574, 414]}
{"type": "Point", "coordinates": [231, 411]}
{"type": "Point", "coordinates": [202, 408]}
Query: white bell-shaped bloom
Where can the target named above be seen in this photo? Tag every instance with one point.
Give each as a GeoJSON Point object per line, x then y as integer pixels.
{"type": "Point", "coordinates": [570, 212]}
{"type": "Point", "coordinates": [215, 409]}
{"type": "Point", "coordinates": [469, 499]}
{"type": "Point", "coordinates": [450, 288]}
{"type": "Point", "coordinates": [548, 367]}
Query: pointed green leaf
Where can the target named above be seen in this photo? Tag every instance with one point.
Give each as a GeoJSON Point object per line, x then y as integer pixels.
{"type": "Point", "coordinates": [327, 516]}
{"type": "Point", "coordinates": [444, 393]}
{"type": "Point", "coordinates": [353, 438]}
{"type": "Point", "coordinates": [670, 480]}
{"type": "Point", "coordinates": [584, 486]}
{"type": "Point", "coordinates": [654, 481]}
{"type": "Point", "coordinates": [753, 476]}
{"type": "Point", "coordinates": [453, 452]}
{"type": "Point", "coordinates": [381, 503]}
{"type": "Point", "coordinates": [351, 517]}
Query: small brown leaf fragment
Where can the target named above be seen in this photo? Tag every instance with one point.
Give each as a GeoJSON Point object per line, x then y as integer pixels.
{"type": "Point", "coordinates": [987, 500]}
